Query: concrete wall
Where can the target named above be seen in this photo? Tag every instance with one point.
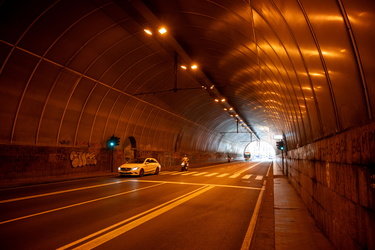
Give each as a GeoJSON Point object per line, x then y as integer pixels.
{"type": "Point", "coordinates": [335, 178]}
{"type": "Point", "coordinates": [27, 164]}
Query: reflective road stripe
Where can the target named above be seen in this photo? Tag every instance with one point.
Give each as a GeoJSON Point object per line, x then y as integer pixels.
{"type": "Point", "coordinates": [109, 233]}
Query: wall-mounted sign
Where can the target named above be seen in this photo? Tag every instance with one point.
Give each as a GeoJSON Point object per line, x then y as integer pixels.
{"type": "Point", "coordinates": [277, 137]}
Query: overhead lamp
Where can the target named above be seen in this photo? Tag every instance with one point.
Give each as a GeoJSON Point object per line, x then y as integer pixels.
{"type": "Point", "coordinates": [194, 66]}
{"type": "Point", "coordinates": [212, 87]}
{"type": "Point", "coordinates": [162, 30]}
{"type": "Point", "coordinates": [148, 31]}
{"type": "Point", "coordinates": [216, 100]}
{"type": "Point", "coordinates": [223, 100]}
{"type": "Point", "coordinates": [183, 67]}
{"type": "Point", "coordinates": [230, 108]}
{"type": "Point", "coordinates": [225, 109]}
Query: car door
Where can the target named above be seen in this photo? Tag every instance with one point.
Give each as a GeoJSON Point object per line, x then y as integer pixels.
{"type": "Point", "coordinates": [153, 165]}
{"type": "Point", "coordinates": [148, 165]}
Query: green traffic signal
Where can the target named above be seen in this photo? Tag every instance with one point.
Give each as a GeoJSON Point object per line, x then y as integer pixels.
{"type": "Point", "coordinates": [280, 145]}
{"type": "Point", "coordinates": [113, 141]}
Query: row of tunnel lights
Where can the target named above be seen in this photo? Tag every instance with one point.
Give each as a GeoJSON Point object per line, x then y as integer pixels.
{"type": "Point", "coordinates": [232, 113]}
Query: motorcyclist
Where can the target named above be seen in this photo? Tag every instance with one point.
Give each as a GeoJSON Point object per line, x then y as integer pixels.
{"type": "Point", "coordinates": [185, 163]}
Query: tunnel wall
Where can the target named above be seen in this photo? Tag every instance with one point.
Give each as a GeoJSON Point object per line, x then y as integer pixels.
{"type": "Point", "coordinates": [336, 179]}
{"type": "Point", "coordinates": [28, 164]}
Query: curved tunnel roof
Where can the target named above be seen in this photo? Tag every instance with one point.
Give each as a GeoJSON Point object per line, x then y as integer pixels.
{"type": "Point", "coordinates": [76, 72]}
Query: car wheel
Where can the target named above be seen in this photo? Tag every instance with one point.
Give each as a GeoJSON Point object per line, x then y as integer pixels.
{"type": "Point", "coordinates": [157, 170]}
{"type": "Point", "coordinates": [141, 172]}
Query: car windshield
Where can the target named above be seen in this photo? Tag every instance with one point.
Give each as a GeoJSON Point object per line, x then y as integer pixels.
{"type": "Point", "coordinates": [138, 160]}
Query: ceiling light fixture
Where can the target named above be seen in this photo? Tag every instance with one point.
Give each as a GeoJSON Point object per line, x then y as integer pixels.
{"type": "Point", "coordinates": [148, 31]}
{"type": "Point", "coordinates": [162, 30]}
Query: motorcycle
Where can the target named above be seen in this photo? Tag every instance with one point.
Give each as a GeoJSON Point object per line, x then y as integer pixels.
{"type": "Point", "coordinates": [184, 166]}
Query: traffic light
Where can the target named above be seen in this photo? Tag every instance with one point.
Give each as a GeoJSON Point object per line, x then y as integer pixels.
{"type": "Point", "coordinates": [280, 145]}
{"type": "Point", "coordinates": [113, 141]}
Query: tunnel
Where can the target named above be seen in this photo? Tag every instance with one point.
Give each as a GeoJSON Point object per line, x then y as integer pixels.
{"type": "Point", "coordinates": [204, 78]}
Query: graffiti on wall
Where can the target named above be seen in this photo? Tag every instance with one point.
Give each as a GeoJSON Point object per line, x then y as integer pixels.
{"type": "Point", "coordinates": [81, 159]}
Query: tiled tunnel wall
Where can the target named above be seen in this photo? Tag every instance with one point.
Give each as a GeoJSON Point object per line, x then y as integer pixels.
{"type": "Point", "coordinates": [336, 179]}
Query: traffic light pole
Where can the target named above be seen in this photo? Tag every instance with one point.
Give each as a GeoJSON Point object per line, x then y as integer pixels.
{"type": "Point", "coordinates": [111, 144]}
{"type": "Point", "coordinates": [282, 161]}
{"type": "Point", "coordinates": [112, 160]}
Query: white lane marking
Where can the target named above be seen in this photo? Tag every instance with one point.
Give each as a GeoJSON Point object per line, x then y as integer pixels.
{"type": "Point", "coordinates": [222, 175]}
{"type": "Point", "coordinates": [110, 233]}
{"type": "Point", "coordinates": [199, 184]}
{"type": "Point", "coordinates": [259, 177]}
{"type": "Point", "coordinates": [165, 172]}
{"type": "Point", "coordinates": [78, 204]}
{"type": "Point", "coordinates": [189, 173]}
{"type": "Point", "coordinates": [212, 174]}
{"type": "Point", "coordinates": [175, 173]}
{"type": "Point", "coordinates": [200, 173]}
{"type": "Point", "coordinates": [250, 231]}
{"type": "Point", "coordinates": [60, 192]}
{"type": "Point", "coordinates": [246, 176]}
{"type": "Point", "coordinates": [234, 176]}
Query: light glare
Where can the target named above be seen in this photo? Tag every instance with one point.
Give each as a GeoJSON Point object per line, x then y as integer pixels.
{"type": "Point", "coordinates": [162, 30]}
{"type": "Point", "coordinates": [148, 31]}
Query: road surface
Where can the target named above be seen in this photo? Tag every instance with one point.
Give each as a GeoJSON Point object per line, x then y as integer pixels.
{"type": "Point", "coordinates": [209, 207]}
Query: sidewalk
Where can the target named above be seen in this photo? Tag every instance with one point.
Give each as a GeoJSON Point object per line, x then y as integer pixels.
{"type": "Point", "coordinates": [284, 221]}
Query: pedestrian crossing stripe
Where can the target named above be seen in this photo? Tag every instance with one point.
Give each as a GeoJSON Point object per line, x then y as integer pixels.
{"type": "Point", "coordinates": [259, 178]}
{"type": "Point", "coordinates": [222, 175]}
{"type": "Point", "coordinates": [246, 176]}
{"type": "Point", "coordinates": [208, 174]}
{"type": "Point", "coordinates": [175, 173]}
{"type": "Point", "coordinates": [201, 173]}
{"type": "Point", "coordinates": [189, 173]}
{"type": "Point", "coordinates": [212, 174]}
{"type": "Point", "coordinates": [234, 176]}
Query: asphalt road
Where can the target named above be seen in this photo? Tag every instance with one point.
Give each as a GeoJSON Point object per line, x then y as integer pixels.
{"type": "Point", "coordinates": [205, 208]}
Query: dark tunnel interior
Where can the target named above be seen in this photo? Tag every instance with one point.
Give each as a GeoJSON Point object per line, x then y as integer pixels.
{"type": "Point", "coordinates": [197, 77]}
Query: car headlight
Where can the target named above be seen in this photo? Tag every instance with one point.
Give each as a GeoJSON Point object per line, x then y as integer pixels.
{"type": "Point", "coordinates": [119, 168]}
{"type": "Point", "coordinates": [136, 168]}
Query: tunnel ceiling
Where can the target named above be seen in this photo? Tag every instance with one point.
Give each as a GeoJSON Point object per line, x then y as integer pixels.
{"type": "Point", "coordinates": [301, 68]}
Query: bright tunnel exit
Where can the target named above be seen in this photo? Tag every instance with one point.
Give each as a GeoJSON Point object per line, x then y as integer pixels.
{"type": "Point", "coordinates": [259, 151]}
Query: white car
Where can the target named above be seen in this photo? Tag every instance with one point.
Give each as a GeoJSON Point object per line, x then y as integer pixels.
{"type": "Point", "coordinates": [140, 167]}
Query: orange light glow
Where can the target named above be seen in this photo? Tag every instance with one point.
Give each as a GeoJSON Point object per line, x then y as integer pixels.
{"type": "Point", "coordinates": [148, 31]}
{"type": "Point", "coordinates": [162, 30]}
